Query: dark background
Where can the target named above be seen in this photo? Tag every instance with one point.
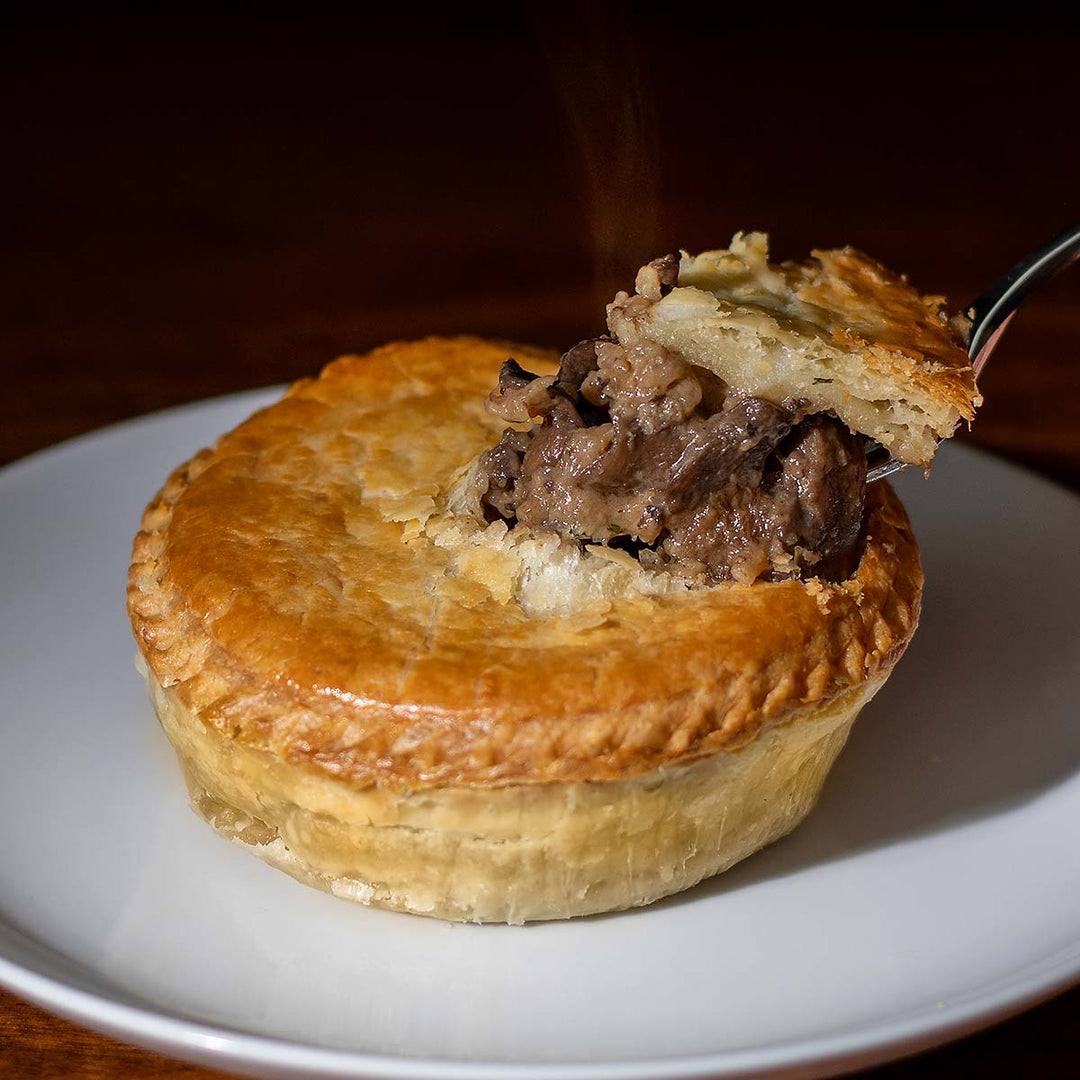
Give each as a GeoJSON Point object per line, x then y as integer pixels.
{"type": "Point", "coordinates": [209, 200]}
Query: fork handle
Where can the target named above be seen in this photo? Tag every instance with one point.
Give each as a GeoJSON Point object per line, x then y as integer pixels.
{"type": "Point", "coordinates": [991, 312]}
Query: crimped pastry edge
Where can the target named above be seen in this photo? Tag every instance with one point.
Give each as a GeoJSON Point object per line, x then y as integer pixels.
{"type": "Point", "coordinates": [521, 852]}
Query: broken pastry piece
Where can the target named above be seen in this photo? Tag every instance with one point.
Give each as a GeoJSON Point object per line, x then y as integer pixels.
{"type": "Point", "coordinates": [565, 657]}
{"type": "Point", "coordinates": [718, 428]}
{"type": "Point", "coordinates": [840, 331]}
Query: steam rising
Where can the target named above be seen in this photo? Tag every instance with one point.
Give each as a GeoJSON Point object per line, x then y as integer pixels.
{"type": "Point", "coordinates": [603, 86]}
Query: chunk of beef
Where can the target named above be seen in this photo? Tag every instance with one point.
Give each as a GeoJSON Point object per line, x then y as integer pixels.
{"type": "Point", "coordinates": [631, 444]}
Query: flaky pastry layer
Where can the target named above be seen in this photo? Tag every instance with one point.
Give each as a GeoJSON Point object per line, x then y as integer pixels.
{"type": "Point", "coordinates": [840, 332]}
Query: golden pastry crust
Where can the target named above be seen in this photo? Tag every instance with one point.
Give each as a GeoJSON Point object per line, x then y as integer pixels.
{"type": "Point", "coordinates": [840, 331]}
{"type": "Point", "coordinates": [517, 852]}
{"type": "Point", "coordinates": [288, 589]}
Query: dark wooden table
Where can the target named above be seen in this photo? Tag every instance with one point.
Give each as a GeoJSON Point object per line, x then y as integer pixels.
{"type": "Point", "coordinates": [201, 205]}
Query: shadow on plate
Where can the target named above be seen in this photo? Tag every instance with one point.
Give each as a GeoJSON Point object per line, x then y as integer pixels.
{"type": "Point", "coordinates": [978, 718]}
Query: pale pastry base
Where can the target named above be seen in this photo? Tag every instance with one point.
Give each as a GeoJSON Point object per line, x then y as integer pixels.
{"type": "Point", "coordinates": [519, 852]}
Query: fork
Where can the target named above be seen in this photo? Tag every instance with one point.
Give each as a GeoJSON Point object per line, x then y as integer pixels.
{"type": "Point", "coordinates": [989, 316]}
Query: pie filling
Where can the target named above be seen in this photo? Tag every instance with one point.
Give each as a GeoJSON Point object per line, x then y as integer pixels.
{"type": "Point", "coordinates": [631, 446]}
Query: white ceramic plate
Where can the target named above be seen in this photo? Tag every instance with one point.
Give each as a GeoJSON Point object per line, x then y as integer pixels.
{"type": "Point", "coordinates": [933, 891]}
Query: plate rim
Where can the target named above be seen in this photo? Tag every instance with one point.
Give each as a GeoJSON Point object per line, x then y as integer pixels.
{"type": "Point", "coordinates": [206, 1044]}
{"type": "Point", "coordinates": [157, 1029]}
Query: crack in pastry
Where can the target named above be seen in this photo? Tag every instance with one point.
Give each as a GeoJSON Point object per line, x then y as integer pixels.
{"type": "Point", "coordinates": [714, 430]}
